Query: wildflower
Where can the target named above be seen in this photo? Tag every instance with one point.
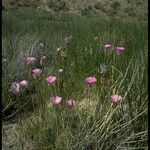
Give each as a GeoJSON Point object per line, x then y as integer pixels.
{"type": "Point", "coordinates": [15, 88]}
{"type": "Point", "coordinates": [70, 103]}
{"type": "Point", "coordinates": [60, 70]}
{"type": "Point", "coordinates": [120, 50]}
{"type": "Point", "coordinates": [31, 60]}
{"type": "Point", "coordinates": [36, 72]}
{"type": "Point", "coordinates": [116, 98]}
{"type": "Point", "coordinates": [108, 47]}
{"type": "Point", "coordinates": [51, 80]}
{"type": "Point", "coordinates": [24, 84]}
{"type": "Point", "coordinates": [90, 81]}
{"type": "Point", "coordinates": [103, 68]}
{"type": "Point", "coordinates": [56, 100]}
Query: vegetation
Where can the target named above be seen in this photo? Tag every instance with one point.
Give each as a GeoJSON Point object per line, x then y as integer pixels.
{"type": "Point", "coordinates": [75, 44]}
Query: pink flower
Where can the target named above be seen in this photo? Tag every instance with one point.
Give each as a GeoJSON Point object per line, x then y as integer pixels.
{"type": "Point", "coordinates": [108, 47]}
{"type": "Point", "coordinates": [60, 70]}
{"type": "Point", "coordinates": [90, 81]}
{"type": "Point", "coordinates": [116, 98]}
{"type": "Point", "coordinates": [70, 103]}
{"type": "Point", "coordinates": [15, 88]}
{"type": "Point", "coordinates": [56, 100]}
{"type": "Point", "coordinates": [51, 80]}
{"type": "Point", "coordinates": [31, 60]}
{"type": "Point", "coordinates": [24, 84]}
{"type": "Point", "coordinates": [36, 72]}
{"type": "Point", "coordinates": [120, 50]}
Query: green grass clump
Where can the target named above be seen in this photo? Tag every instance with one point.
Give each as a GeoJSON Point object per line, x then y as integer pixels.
{"type": "Point", "coordinates": [94, 123]}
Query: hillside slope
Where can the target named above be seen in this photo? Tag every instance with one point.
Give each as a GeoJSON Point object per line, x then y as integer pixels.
{"type": "Point", "coordinates": [107, 8]}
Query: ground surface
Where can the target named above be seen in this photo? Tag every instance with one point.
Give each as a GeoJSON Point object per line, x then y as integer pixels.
{"type": "Point", "coordinates": [107, 8]}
